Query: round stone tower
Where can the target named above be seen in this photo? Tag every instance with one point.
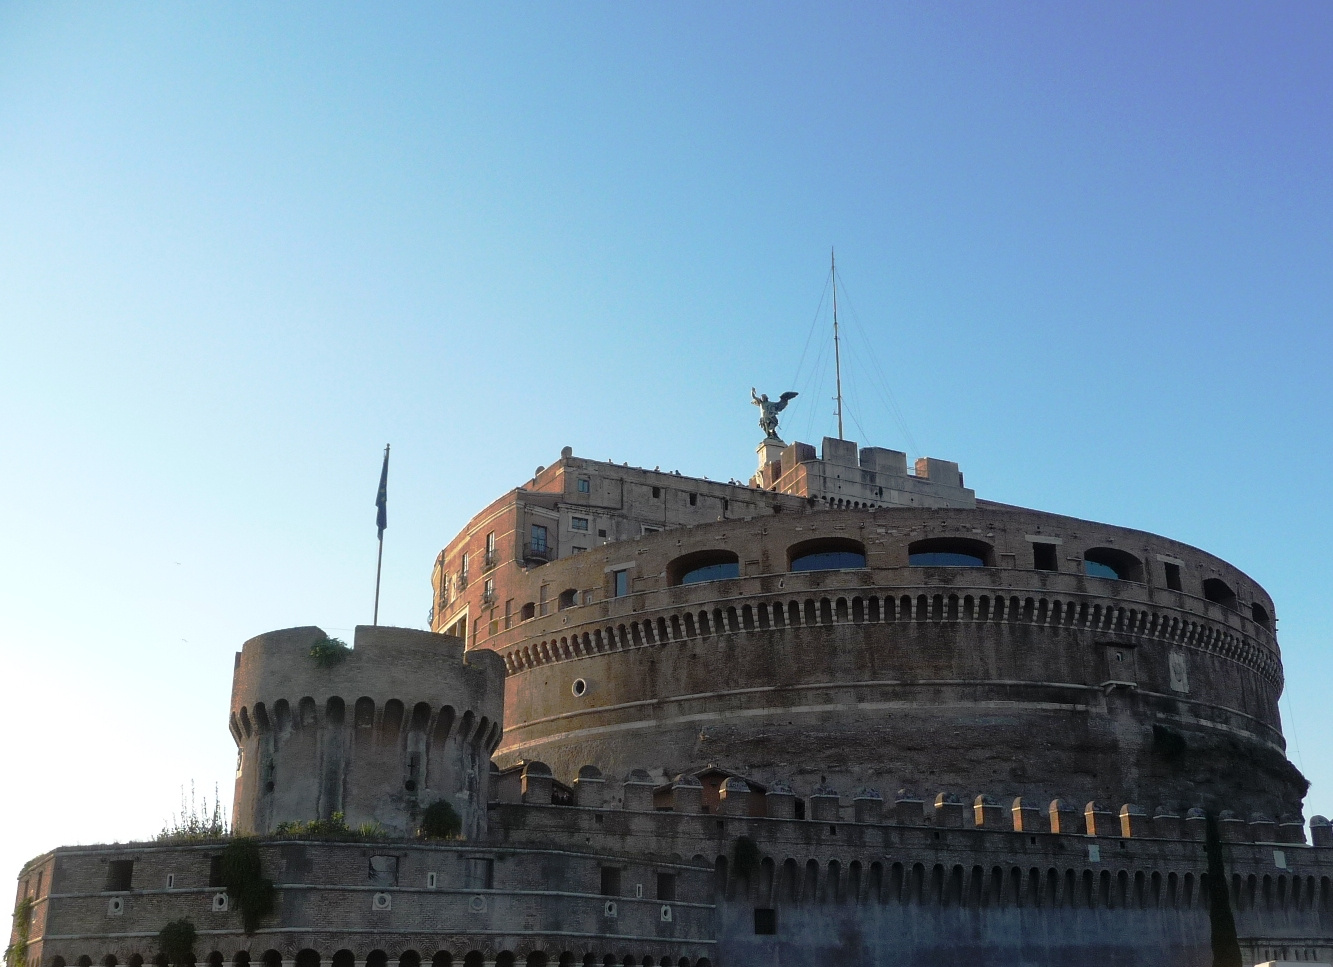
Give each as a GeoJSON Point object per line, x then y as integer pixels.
{"type": "Point", "coordinates": [402, 720]}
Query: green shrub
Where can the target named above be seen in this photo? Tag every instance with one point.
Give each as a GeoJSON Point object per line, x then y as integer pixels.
{"type": "Point", "coordinates": [196, 822]}
{"type": "Point", "coordinates": [16, 954]}
{"type": "Point", "coordinates": [243, 879]}
{"type": "Point", "coordinates": [176, 942]}
{"type": "Point", "coordinates": [440, 821]}
{"type": "Point", "coordinates": [335, 827]}
{"type": "Point", "coordinates": [328, 652]}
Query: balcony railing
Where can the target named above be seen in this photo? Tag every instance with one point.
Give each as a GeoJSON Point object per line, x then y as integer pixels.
{"type": "Point", "coordinates": [461, 583]}
{"type": "Point", "coordinates": [539, 551]}
{"type": "Point", "coordinates": [491, 558]}
{"type": "Point", "coordinates": [488, 596]}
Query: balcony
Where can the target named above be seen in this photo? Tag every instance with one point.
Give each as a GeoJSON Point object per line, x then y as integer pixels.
{"type": "Point", "coordinates": [540, 551]}
{"type": "Point", "coordinates": [488, 597]}
{"type": "Point", "coordinates": [460, 584]}
{"type": "Point", "coordinates": [491, 558]}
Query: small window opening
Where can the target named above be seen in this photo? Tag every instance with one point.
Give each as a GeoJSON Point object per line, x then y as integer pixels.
{"type": "Point", "coordinates": [949, 552]}
{"type": "Point", "coordinates": [666, 886]}
{"type": "Point", "coordinates": [119, 875]}
{"type": "Point", "coordinates": [527, 612]}
{"type": "Point", "coordinates": [1218, 592]}
{"type": "Point", "coordinates": [1172, 575]}
{"type": "Point", "coordinates": [568, 598]}
{"type": "Point", "coordinates": [610, 881]}
{"type": "Point", "coordinates": [1112, 563]}
{"type": "Point", "coordinates": [601, 533]}
{"type": "Point", "coordinates": [765, 920]}
{"type": "Point", "coordinates": [1260, 614]}
{"type": "Point", "coordinates": [826, 554]}
{"type": "Point", "coordinates": [621, 583]}
{"type": "Point", "coordinates": [657, 493]}
{"type": "Point", "coordinates": [578, 523]}
{"type": "Point", "coordinates": [800, 808]}
{"type": "Point", "coordinates": [703, 566]}
{"type": "Point", "coordinates": [1043, 557]}
{"type": "Point", "coordinates": [585, 485]}
{"type": "Point", "coordinates": [215, 871]}
{"type": "Point", "coordinates": [694, 499]}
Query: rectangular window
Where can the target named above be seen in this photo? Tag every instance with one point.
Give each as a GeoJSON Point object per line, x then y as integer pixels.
{"type": "Point", "coordinates": [462, 565]}
{"type": "Point", "coordinates": [657, 493]}
{"type": "Point", "coordinates": [585, 486]}
{"type": "Point", "coordinates": [578, 523]}
{"type": "Point", "coordinates": [694, 499]}
{"type": "Point", "coordinates": [576, 549]}
{"type": "Point", "coordinates": [601, 533]}
{"type": "Point", "coordinates": [538, 538]}
{"type": "Point", "coordinates": [215, 871]}
{"type": "Point", "coordinates": [765, 920]}
{"type": "Point", "coordinates": [650, 530]}
{"type": "Point", "coordinates": [509, 613]}
{"type": "Point", "coordinates": [119, 875]}
{"type": "Point", "coordinates": [488, 591]}
{"type": "Point", "coordinates": [384, 870]}
{"type": "Point", "coordinates": [480, 873]}
{"type": "Point", "coordinates": [490, 543]}
{"type": "Point", "coordinates": [1172, 575]}
{"type": "Point", "coordinates": [610, 881]}
{"type": "Point", "coordinates": [621, 579]}
{"type": "Point", "coordinates": [587, 597]}
{"type": "Point", "coordinates": [666, 886]}
{"type": "Point", "coordinates": [1043, 557]}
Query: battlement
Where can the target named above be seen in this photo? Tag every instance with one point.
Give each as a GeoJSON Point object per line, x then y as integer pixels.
{"type": "Point", "coordinates": [872, 477]}
{"type": "Point", "coordinates": [402, 719]}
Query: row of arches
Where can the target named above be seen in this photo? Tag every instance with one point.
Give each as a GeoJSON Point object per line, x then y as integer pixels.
{"type": "Point", "coordinates": [879, 882]}
{"type": "Point", "coordinates": [411, 958]}
{"type": "Point", "coordinates": [1085, 614]}
{"type": "Point", "coordinates": [388, 722]}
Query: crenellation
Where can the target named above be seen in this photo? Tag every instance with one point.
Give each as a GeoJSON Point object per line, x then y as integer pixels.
{"type": "Point", "coordinates": [638, 791]}
{"type": "Point", "coordinates": [950, 812]}
{"type": "Point", "coordinates": [867, 806]}
{"type": "Point", "coordinates": [1098, 820]}
{"type": "Point", "coordinates": [1134, 822]}
{"type": "Point", "coordinates": [825, 804]}
{"type": "Point", "coordinates": [988, 814]}
{"type": "Point", "coordinates": [687, 795]}
{"type": "Point", "coordinates": [1025, 816]}
{"type": "Point", "coordinates": [1064, 818]}
{"type": "Point", "coordinates": [734, 797]}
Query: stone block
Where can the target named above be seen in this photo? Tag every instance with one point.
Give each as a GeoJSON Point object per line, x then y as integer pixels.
{"type": "Point", "coordinates": [1167, 824]}
{"type": "Point", "coordinates": [1231, 828]}
{"type": "Point", "coordinates": [638, 794]}
{"type": "Point", "coordinates": [780, 801]}
{"type": "Point", "coordinates": [1290, 829]}
{"type": "Point", "coordinates": [1098, 820]}
{"type": "Point", "coordinates": [1026, 817]}
{"type": "Point", "coordinates": [590, 788]}
{"type": "Point", "coordinates": [1064, 818]}
{"type": "Point", "coordinates": [950, 812]}
{"type": "Point", "coordinates": [537, 783]}
{"type": "Point", "coordinates": [1321, 831]}
{"type": "Point", "coordinates": [1196, 824]}
{"type": "Point", "coordinates": [908, 810]}
{"type": "Point", "coordinates": [733, 798]}
{"type": "Point", "coordinates": [987, 812]}
{"type": "Point", "coordinates": [824, 804]}
{"type": "Point", "coordinates": [1133, 821]}
{"type": "Point", "coordinates": [1262, 829]}
{"type": "Point", "coordinates": [868, 806]}
{"type": "Point", "coordinates": [687, 795]}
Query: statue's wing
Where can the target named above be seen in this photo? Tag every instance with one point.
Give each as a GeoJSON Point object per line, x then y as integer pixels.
{"type": "Point", "coordinates": [790, 394]}
{"type": "Point", "coordinates": [784, 400]}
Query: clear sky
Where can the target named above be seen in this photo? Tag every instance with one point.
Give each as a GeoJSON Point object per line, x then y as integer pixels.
{"type": "Point", "coordinates": [243, 246]}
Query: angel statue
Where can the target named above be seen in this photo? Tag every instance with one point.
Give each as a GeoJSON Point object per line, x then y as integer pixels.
{"type": "Point", "coordinates": [769, 410]}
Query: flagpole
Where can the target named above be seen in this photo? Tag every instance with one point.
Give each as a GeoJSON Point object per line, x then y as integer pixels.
{"type": "Point", "coordinates": [379, 560]}
{"type": "Point", "coordinates": [381, 521]}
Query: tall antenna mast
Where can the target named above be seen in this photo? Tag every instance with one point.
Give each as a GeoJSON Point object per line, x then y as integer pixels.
{"type": "Point", "coordinates": [837, 354]}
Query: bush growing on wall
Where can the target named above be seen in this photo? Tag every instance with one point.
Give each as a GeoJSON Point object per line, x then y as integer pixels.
{"type": "Point", "coordinates": [440, 821]}
{"type": "Point", "coordinates": [176, 942]}
{"type": "Point", "coordinates": [243, 879]}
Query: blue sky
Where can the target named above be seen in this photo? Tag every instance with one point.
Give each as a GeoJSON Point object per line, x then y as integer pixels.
{"type": "Point", "coordinates": [243, 246]}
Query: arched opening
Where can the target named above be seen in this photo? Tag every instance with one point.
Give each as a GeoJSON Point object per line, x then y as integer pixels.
{"type": "Point", "coordinates": [442, 958]}
{"type": "Point", "coordinates": [701, 566]}
{"type": "Point", "coordinates": [537, 958]}
{"type": "Point", "coordinates": [826, 554]}
{"type": "Point", "coordinates": [272, 958]}
{"type": "Point", "coordinates": [1219, 592]}
{"type": "Point", "coordinates": [363, 712]}
{"type": "Point", "coordinates": [949, 552]}
{"type": "Point", "coordinates": [344, 958]}
{"type": "Point", "coordinates": [409, 958]}
{"type": "Point", "coordinates": [474, 958]}
{"type": "Point", "coordinates": [214, 959]}
{"type": "Point", "coordinates": [307, 958]}
{"type": "Point", "coordinates": [110, 960]}
{"type": "Point", "coordinates": [1112, 563]}
{"type": "Point", "coordinates": [334, 710]}
{"type": "Point", "coordinates": [1260, 615]}
{"type": "Point", "coordinates": [377, 958]}
{"type": "Point", "coordinates": [567, 599]}
{"type": "Point", "coordinates": [504, 958]}
{"type": "Point", "coordinates": [526, 613]}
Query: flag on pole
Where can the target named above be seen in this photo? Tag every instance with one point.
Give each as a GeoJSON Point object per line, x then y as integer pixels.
{"type": "Point", "coordinates": [382, 498]}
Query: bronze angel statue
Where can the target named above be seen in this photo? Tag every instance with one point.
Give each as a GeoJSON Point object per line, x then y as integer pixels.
{"type": "Point", "coordinates": [769, 410]}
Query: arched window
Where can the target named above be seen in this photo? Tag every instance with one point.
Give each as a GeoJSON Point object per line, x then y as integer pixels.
{"type": "Point", "coordinates": [1219, 592]}
{"type": "Point", "coordinates": [713, 565]}
{"type": "Point", "coordinates": [949, 552]}
{"type": "Point", "coordinates": [344, 958]}
{"type": "Point", "coordinates": [826, 554]}
{"type": "Point", "coordinates": [527, 612]}
{"type": "Point", "coordinates": [1112, 563]}
{"type": "Point", "coordinates": [567, 599]}
{"type": "Point", "coordinates": [307, 958]}
{"type": "Point", "coordinates": [1260, 615]}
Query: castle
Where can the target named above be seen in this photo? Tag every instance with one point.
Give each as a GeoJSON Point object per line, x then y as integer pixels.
{"type": "Point", "coordinates": [841, 713]}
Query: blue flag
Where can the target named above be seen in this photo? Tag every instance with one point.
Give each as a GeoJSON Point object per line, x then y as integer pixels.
{"type": "Point", "coordinates": [382, 498]}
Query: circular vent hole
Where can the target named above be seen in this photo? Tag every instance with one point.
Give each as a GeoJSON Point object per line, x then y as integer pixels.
{"type": "Point", "coordinates": [410, 785]}
{"type": "Point", "coordinates": [579, 688]}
